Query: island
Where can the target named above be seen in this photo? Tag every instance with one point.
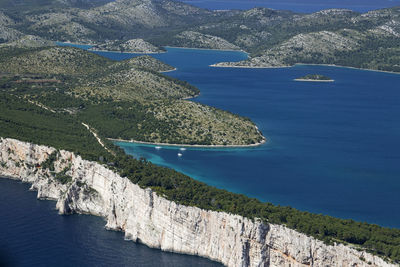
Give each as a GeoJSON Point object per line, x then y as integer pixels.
{"type": "Point", "coordinates": [60, 107]}
{"type": "Point", "coordinates": [314, 78]}
{"type": "Point", "coordinates": [82, 100]}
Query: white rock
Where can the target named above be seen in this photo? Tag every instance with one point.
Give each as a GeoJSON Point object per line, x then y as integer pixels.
{"type": "Point", "coordinates": [159, 223]}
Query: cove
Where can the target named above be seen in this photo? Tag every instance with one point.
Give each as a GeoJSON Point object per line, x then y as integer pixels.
{"type": "Point", "coordinates": [333, 148]}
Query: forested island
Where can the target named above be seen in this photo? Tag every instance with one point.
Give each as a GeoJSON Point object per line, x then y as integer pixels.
{"type": "Point", "coordinates": [314, 78]}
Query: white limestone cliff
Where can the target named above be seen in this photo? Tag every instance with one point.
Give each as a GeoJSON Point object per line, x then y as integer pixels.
{"type": "Point", "coordinates": [157, 222]}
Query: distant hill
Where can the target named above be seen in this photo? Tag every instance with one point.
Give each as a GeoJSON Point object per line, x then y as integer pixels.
{"type": "Point", "coordinates": [38, 4]}
{"type": "Point", "coordinates": [273, 38]}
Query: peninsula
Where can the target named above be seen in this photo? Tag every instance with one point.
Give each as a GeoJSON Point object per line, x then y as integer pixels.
{"type": "Point", "coordinates": [60, 106]}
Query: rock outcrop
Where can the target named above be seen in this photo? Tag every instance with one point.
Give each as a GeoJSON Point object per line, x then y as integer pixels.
{"type": "Point", "coordinates": [157, 222]}
{"type": "Point", "coordinates": [199, 40]}
{"type": "Point", "coordinates": [130, 46]}
{"type": "Point", "coordinates": [302, 48]}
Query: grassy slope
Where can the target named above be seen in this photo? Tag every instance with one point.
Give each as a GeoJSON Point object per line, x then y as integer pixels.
{"type": "Point", "coordinates": [27, 122]}
{"type": "Point", "coordinates": [118, 98]}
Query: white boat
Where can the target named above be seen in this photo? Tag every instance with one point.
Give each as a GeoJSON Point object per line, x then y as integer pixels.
{"type": "Point", "coordinates": [179, 155]}
{"type": "Point", "coordinates": [182, 149]}
{"type": "Point", "coordinates": [157, 147]}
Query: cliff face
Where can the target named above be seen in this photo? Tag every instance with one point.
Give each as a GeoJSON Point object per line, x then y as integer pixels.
{"type": "Point", "coordinates": [157, 222]}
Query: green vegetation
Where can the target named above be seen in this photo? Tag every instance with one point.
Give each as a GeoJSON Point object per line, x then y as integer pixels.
{"type": "Point", "coordinates": [52, 60]}
{"type": "Point", "coordinates": [30, 123]}
{"type": "Point", "coordinates": [315, 77]}
{"type": "Point", "coordinates": [27, 122]}
{"type": "Point", "coordinates": [62, 177]}
{"type": "Point", "coordinates": [33, 4]}
{"type": "Point", "coordinates": [49, 162]}
{"type": "Point", "coordinates": [170, 121]}
{"type": "Point", "coordinates": [127, 84]}
{"type": "Point", "coordinates": [367, 40]}
{"type": "Point", "coordinates": [175, 186]}
{"type": "Point", "coordinates": [56, 109]}
{"type": "Point", "coordinates": [122, 100]}
{"type": "Point", "coordinates": [181, 188]}
{"type": "Point", "coordinates": [146, 62]}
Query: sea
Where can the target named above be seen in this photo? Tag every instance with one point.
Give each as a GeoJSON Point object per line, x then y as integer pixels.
{"type": "Point", "coordinates": [333, 148]}
{"type": "Point", "coordinates": [33, 234]}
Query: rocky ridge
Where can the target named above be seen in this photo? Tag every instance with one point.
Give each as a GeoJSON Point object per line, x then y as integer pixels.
{"type": "Point", "coordinates": [199, 40]}
{"type": "Point", "coordinates": [305, 46]}
{"type": "Point", "coordinates": [130, 46]}
{"type": "Point", "coordinates": [147, 62]}
{"type": "Point", "coordinates": [145, 217]}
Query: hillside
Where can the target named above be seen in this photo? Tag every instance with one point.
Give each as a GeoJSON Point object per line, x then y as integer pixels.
{"type": "Point", "coordinates": [146, 62]}
{"type": "Point", "coordinates": [128, 99]}
{"type": "Point", "coordinates": [72, 99]}
{"type": "Point", "coordinates": [115, 21]}
{"type": "Point", "coordinates": [129, 46]}
{"type": "Point", "coordinates": [340, 37]}
{"type": "Point", "coordinates": [52, 60]}
{"type": "Point", "coordinates": [30, 123]}
{"type": "Point", "coordinates": [273, 38]}
{"type": "Point", "coordinates": [199, 40]}
{"type": "Point", "coordinates": [130, 84]}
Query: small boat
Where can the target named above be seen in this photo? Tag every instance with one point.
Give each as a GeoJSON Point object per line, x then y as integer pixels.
{"type": "Point", "coordinates": [179, 155]}
{"type": "Point", "coordinates": [157, 147]}
{"type": "Point", "coordinates": [182, 149]}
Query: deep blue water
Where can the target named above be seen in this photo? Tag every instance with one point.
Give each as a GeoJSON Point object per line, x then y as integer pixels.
{"type": "Point", "coordinates": [33, 234]}
{"type": "Point", "coordinates": [305, 6]}
{"type": "Point", "coordinates": [332, 148]}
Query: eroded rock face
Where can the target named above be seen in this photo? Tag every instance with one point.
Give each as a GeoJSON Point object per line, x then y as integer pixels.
{"type": "Point", "coordinates": [157, 222]}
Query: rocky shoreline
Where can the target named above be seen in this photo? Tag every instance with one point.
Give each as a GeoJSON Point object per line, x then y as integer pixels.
{"type": "Point", "coordinates": [263, 141]}
{"type": "Point", "coordinates": [153, 220]}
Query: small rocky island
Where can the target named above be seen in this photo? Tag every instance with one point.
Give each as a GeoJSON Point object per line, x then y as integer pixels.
{"type": "Point", "coordinates": [314, 78]}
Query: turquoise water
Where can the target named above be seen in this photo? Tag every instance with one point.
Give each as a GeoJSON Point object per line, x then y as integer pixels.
{"type": "Point", "coordinates": [333, 148]}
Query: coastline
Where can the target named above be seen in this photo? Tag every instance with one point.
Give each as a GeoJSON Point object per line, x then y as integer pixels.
{"type": "Point", "coordinates": [249, 67]}
{"type": "Point", "coordinates": [125, 52]}
{"type": "Point", "coordinates": [211, 49]}
{"type": "Point", "coordinates": [305, 64]}
{"type": "Point", "coordinates": [190, 97]}
{"type": "Point", "coordinates": [309, 80]}
{"type": "Point", "coordinates": [67, 42]}
{"type": "Point", "coordinates": [58, 43]}
{"type": "Point", "coordinates": [231, 50]}
{"type": "Point", "coordinates": [153, 220]}
{"type": "Point", "coordinates": [188, 145]}
{"type": "Point", "coordinates": [339, 66]}
{"type": "Point", "coordinates": [174, 69]}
